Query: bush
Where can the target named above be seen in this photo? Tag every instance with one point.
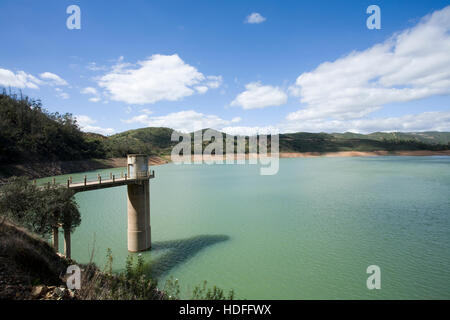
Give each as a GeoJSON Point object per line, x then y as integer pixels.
{"type": "Point", "coordinates": [38, 209]}
{"type": "Point", "coordinates": [30, 133]}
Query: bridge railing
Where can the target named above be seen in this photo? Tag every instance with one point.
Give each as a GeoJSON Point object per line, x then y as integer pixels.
{"type": "Point", "coordinates": [142, 174]}
{"type": "Point", "coordinates": [89, 179]}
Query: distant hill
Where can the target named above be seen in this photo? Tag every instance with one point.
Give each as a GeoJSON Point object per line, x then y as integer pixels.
{"type": "Point", "coordinates": [157, 141]}
{"type": "Point", "coordinates": [324, 142]}
{"type": "Point", "coordinates": [29, 133]}
{"type": "Point", "coordinates": [150, 141]}
{"type": "Point", "coordinates": [432, 137]}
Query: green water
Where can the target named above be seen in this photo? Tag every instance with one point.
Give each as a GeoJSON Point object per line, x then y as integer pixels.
{"type": "Point", "coordinates": [308, 232]}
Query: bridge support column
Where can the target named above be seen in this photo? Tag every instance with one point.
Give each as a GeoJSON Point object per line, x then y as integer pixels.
{"type": "Point", "coordinates": [67, 252]}
{"type": "Point", "coordinates": [55, 239]}
{"type": "Point", "coordinates": [139, 231]}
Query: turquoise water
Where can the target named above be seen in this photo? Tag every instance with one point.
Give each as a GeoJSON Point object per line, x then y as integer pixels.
{"type": "Point", "coordinates": [308, 232]}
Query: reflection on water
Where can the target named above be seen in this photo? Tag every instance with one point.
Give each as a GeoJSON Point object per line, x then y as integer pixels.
{"type": "Point", "coordinates": [179, 251]}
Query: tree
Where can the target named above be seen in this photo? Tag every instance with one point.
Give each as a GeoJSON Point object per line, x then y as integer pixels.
{"type": "Point", "coordinates": [39, 209]}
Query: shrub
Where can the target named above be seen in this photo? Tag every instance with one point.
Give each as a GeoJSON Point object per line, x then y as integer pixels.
{"type": "Point", "coordinates": [38, 208]}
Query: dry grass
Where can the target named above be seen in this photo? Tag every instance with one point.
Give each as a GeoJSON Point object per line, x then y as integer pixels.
{"type": "Point", "coordinates": [26, 260]}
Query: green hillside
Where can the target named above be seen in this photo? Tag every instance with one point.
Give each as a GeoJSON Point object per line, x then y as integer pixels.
{"type": "Point", "coordinates": [432, 137]}
{"type": "Point", "coordinates": [28, 133]}
{"type": "Point", "coordinates": [323, 142]}
{"type": "Point", "coordinates": [156, 141]}
{"type": "Point", "coordinates": [151, 141]}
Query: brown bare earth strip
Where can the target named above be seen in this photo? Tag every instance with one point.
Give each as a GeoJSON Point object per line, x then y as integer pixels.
{"type": "Point", "coordinates": [364, 153]}
{"type": "Point", "coordinates": [35, 170]}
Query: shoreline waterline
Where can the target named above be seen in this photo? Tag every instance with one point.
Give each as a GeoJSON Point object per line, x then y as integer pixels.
{"type": "Point", "coordinates": [38, 170]}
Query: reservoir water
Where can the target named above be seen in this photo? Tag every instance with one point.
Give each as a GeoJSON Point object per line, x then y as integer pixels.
{"type": "Point", "coordinates": [308, 232]}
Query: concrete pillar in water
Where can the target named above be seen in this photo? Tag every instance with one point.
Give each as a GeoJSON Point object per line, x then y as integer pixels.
{"type": "Point", "coordinates": [139, 232]}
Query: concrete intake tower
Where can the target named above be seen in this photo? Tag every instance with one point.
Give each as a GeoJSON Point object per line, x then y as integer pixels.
{"type": "Point", "coordinates": [138, 194]}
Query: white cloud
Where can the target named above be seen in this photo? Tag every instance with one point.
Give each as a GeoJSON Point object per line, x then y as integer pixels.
{"type": "Point", "coordinates": [257, 96]}
{"type": "Point", "coordinates": [426, 121]}
{"type": "Point", "coordinates": [146, 111]}
{"type": "Point", "coordinates": [53, 79]}
{"type": "Point", "coordinates": [201, 89]}
{"type": "Point", "coordinates": [87, 124]}
{"type": "Point", "coordinates": [185, 121]}
{"type": "Point", "coordinates": [250, 131]}
{"type": "Point", "coordinates": [94, 67]}
{"type": "Point", "coordinates": [413, 64]}
{"type": "Point", "coordinates": [91, 91]}
{"type": "Point", "coordinates": [255, 18]}
{"type": "Point", "coordinates": [160, 77]}
{"type": "Point", "coordinates": [62, 94]}
{"type": "Point", "coordinates": [214, 82]}
{"type": "Point", "coordinates": [20, 79]}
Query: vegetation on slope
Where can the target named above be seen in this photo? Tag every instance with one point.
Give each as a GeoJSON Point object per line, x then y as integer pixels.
{"type": "Point", "coordinates": [30, 133]}
{"type": "Point", "coordinates": [324, 142]}
{"type": "Point", "coordinates": [26, 260]}
{"type": "Point", "coordinates": [150, 141]}
{"type": "Point", "coordinates": [38, 209]}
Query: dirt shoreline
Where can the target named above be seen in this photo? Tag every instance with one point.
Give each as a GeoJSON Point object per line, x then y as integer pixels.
{"type": "Point", "coordinates": [36, 170]}
{"type": "Point", "coordinates": [415, 153]}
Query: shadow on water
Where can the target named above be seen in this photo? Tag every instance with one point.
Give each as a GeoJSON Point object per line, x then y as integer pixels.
{"type": "Point", "coordinates": [179, 251]}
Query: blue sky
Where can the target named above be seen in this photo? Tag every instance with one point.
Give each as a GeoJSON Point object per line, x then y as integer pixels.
{"type": "Point", "coordinates": [302, 66]}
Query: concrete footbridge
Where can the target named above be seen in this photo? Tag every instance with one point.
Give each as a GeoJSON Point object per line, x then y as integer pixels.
{"type": "Point", "coordinates": [137, 180]}
{"type": "Point", "coordinates": [108, 183]}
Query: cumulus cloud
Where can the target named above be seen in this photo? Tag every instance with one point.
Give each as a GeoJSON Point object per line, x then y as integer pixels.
{"type": "Point", "coordinates": [53, 79]}
{"type": "Point", "coordinates": [93, 92]}
{"type": "Point", "coordinates": [22, 80]}
{"type": "Point", "coordinates": [89, 90]}
{"type": "Point", "coordinates": [146, 111]}
{"type": "Point", "coordinates": [213, 82]}
{"type": "Point", "coordinates": [411, 65]}
{"type": "Point", "coordinates": [201, 89]}
{"type": "Point", "coordinates": [426, 121]}
{"type": "Point", "coordinates": [160, 77]}
{"type": "Point", "coordinates": [250, 131]}
{"type": "Point", "coordinates": [258, 96]}
{"type": "Point", "coordinates": [184, 121]}
{"type": "Point", "coordinates": [87, 124]}
{"type": "Point", "coordinates": [255, 17]}
{"type": "Point", "coordinates": [60, 93]}
{"type": "Point", "coordinates": [94, 67]}
{"type": "Point", "coordinates": [19, 79]}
